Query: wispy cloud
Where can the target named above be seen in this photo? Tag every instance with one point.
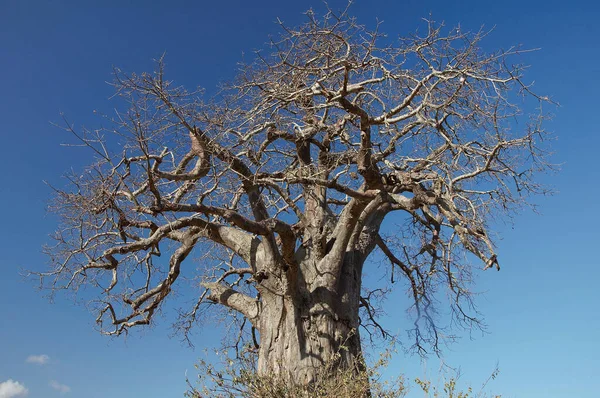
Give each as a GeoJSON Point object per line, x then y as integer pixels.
{"type": "Point", "coordinates": [38, 359]}
{"type": "Point", "coordinates": [62, 388]}
{"type": "Point", "coordinates": [11, 389]}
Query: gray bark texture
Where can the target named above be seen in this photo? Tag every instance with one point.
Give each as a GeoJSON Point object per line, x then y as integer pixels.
{"type": "Point", "coordinates": [315, 323]}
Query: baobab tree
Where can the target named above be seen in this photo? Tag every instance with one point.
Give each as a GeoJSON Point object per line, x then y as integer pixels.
{"type": "Point", "coordinates": [274, 191]}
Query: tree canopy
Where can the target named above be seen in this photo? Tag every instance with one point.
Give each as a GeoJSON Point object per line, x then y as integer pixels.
{"type": "Point", "coordinates": [281, 182]}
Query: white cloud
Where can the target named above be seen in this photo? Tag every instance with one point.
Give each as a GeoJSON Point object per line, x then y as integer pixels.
{"type": "Point", "coordinates": [11, 388]}
{"type": "Point", "coordinates": [62, 388]}
{"type": "Point", "coordinates": [38, 359]}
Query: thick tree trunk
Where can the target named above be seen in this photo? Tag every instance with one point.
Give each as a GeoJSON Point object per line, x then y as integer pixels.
{"type": "Point", "coordinates": [314, 327]}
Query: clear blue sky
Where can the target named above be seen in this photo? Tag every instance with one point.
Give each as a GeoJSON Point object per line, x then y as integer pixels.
{"type": "Point", "coordinates": [543, 308]}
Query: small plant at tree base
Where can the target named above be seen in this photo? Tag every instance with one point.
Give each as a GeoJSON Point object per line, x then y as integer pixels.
{"type": "Point", "coordinates": [238, 378]}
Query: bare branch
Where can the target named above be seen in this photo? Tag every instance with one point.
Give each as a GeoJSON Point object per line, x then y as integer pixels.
{"type": "Point", "coordinates": [286, 175]}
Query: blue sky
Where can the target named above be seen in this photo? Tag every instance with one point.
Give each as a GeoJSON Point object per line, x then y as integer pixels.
{"type": "Point", "coordinates": [542, 308]}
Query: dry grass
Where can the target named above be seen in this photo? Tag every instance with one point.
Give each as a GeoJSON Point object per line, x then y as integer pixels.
{"type": "Point", "coordinates": [237, 379]}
